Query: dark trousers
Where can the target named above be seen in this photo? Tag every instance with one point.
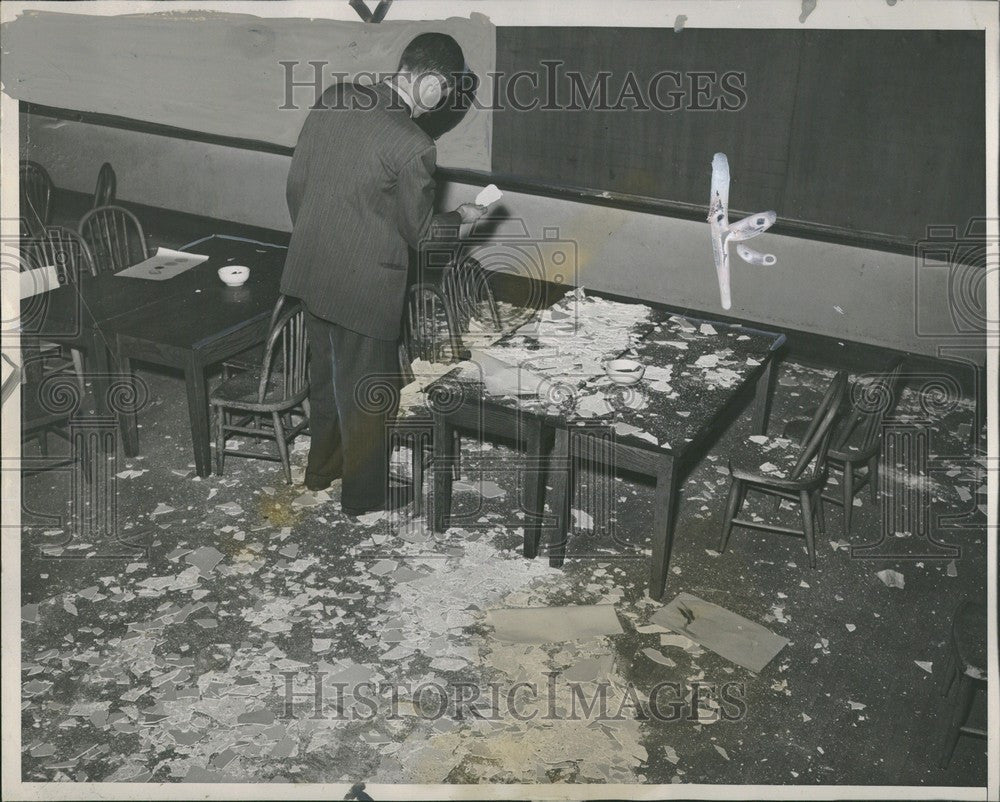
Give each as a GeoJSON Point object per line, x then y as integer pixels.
{"type": "Point", "coordinates": [353, 397]}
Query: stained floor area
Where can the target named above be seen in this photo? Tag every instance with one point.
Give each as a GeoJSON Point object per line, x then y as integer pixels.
{"type": "Point", "coordinates": [264, 636]}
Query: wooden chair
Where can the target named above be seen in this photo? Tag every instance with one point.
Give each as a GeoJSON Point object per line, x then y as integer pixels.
{"type": "Point", "coordinates": [799, 471]}
{"type": "Point", "coordinates": [967, 664]}
{"type": "Point", "coordinates": [430, 331]}
{"type": "Point", "coordinates": [280, 385]}
{"type": "Point", "coordinates": [430, 334]}
{"type": "Point", "coordinates": [107, 185]}
{"type": "Point", "coordinates": [62, 248]}
{"type": "Point", "coordinates": [115, 237]}
{"type": "Point", "coordinates": [856, 443]}
{"type": "Point", "coordinates": [48, 402]}
{"type": "Point", "coordinates": [250, 359]}
{"type": "Point", "coordinates": [36, 198]}
{"type": "Point", "coordinates": [66, 251]}
{"type": "Point", "coordinates": [467, 291]}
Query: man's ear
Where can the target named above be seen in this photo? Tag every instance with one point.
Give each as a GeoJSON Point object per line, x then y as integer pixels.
{"type": "Point", "coordinates": [428, 90]}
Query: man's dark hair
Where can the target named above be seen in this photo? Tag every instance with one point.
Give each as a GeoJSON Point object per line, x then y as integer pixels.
{"type": "Point", "coordinates": [436, 53]}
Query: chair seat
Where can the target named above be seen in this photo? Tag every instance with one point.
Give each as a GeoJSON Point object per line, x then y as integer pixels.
{"type": "Point", "coordinates": [241, 392]}
{"type": "Point", "coordinates": [770, 461]}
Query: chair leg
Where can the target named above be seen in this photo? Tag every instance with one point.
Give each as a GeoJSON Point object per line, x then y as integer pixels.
{"type": "Point", "coordinates": [220, 439]}
{"type": "Point", "coordinates": [279, 436]}
{"type": "Point", "coordinates": [77, 357]}
{"type": "Point", "coordinates": [873, 477]}
{"type": "Point", "coordinates": [43, 441]}
{"type": "Point", "coordinates": [848, 496]}
{"type": "Point", "coordinates": [457, 466]}
{"type": "Point", "coordinates": [950, 671]}
{"type": "Point", "coordinates": [732, 510]}
{"type": "Point", "coordinates": [963, 705]}
{"type": "Point", "coordinates": [417, 474]}
{"type": "Point", "coordinates": [807, 524]}
{"type": "Point", "coordinates": [818, 511]}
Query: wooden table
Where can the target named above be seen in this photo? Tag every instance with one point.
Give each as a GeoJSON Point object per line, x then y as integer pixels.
{"type": "Point", "coordinates": [684, 423]}
{"type": "Point", "coordinates": [199, 323]}
{"type": "Point", "coordinates": [77, 315]}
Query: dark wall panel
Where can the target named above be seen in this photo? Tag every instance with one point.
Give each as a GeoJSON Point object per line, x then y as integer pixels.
{"type": "Point", "coordinates": [868, 131]}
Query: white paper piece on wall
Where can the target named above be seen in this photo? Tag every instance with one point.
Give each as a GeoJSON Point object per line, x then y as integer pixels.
{"type": "Point", "coordinates": [723, 232]}
{"type": "Point", "coordinates": [39, 280]}
{"type": "Point", "coordinates": [488, 195]}
{"type": "Point", "coordinates": [163, 264]}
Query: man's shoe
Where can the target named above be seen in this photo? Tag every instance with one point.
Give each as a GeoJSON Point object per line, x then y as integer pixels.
{"type": "Point", "coordinates": [316, 483]}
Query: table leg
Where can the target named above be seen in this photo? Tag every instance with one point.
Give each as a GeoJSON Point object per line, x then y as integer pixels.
{"type": "Point", "coordinates": [979, 412]}
{"type": "Point", "coordinates": [127, 416]}
{"type": "Point", "coordinates": [201, 429]}
{"type": "Point", "coordinates": [560, 495]}
{"type": "Point", "coordinates": [534, 475]}
{"type": "Point", "coordinates": [664, 513]}
{"type": "Point", "coordinates": [762, 408]}
{"type": "Point", "coordinates": [444, 458]}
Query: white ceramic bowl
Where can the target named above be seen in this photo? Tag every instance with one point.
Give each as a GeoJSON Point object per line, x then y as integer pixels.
{"type": "Point", "coordinates": [624, 371]}
{"type": "Point", "coordinates": [234, 275]}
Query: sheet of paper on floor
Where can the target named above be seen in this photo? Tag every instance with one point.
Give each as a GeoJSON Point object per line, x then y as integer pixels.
{"type": "Point", "coordinates": [553, 624]}
{"type": "Point", "coordinates": [729, 635]}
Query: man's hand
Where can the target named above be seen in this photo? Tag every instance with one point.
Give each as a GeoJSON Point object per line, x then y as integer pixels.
{"type": "Point", "coordinates": [470, 212]}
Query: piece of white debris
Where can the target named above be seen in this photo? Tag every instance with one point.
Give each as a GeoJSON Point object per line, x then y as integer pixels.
{"type": "Point", "coordinates": [582, 520]}
{"type": "Point", "coordinates": [891, 578]}
{"type": "Point", "coordinates": [658, 657]}
{"type": "Point", "coordinates": [926, 665]}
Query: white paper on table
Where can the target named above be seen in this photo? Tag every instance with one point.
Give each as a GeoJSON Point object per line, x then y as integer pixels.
{"type": "Point", "coordinates": [488, 195]}
{"type": "Point", "coordinates": [502, 378]}
{"type": "Point", "coordinates": [164, 264]}
{"type": "Point", "coordinates": [39, 280]}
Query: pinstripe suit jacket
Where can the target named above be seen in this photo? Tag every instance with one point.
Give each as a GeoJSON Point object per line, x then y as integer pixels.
{"type": "Point", "coordinates": [360, 190]}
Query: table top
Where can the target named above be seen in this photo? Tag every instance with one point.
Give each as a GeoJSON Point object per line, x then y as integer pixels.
{"type": "Point", "coordinates": [178, 311]}
{"type": "Point", "coordinates": [693, 368]}
{"type": "Point", "coordinates": [199, 307]}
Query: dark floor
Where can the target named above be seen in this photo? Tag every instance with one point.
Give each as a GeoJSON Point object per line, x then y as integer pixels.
{"type": "Point", "coordinates": [160, 669]}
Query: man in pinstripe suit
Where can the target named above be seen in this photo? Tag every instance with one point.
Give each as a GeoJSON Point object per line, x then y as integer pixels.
{"type": "Point", "coordinates": [360, 192]}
